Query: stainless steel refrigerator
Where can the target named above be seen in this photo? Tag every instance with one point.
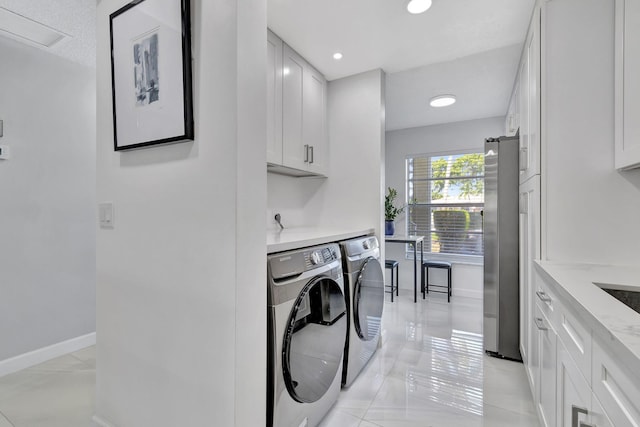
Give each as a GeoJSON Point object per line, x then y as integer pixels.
{"type": "Point", "coordinates": [500, 221]}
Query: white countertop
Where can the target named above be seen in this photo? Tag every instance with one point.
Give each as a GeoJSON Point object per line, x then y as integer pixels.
{"type": "Point", "coordinates": [615, 323]}
{"type": "Point", "coordinates": [293, 238]}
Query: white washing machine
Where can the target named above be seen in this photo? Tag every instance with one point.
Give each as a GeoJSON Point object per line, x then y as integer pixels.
{"type": "Point", "coordinates": [364, 285]}
{"type": "Point", "coordinates": [307, 327]}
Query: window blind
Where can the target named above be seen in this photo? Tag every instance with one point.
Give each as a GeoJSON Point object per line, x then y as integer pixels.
{"type": "Point", "coordinates": [445, 202]}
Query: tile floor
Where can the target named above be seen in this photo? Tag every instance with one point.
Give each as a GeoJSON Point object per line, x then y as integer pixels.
{"type": "Point", "coordinates": [431, 371]}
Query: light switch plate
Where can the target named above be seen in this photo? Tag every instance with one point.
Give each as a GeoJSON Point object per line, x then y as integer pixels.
{"type": "Point", "coordinates": [5, 153]}
{"type": "Point", "coordinates": [106, 215]}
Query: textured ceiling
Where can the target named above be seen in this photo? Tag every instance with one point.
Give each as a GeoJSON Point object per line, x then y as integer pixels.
{"type": "Point", "coordinates": [77, 18]}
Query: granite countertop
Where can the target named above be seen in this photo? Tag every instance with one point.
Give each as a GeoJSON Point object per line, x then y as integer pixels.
{"type": "Point", "coordinates": [615, 323]}
{"type": "Point", "coordinates": [293, 238]}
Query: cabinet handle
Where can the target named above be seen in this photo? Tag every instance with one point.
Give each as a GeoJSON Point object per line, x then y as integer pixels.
{"type": "Point", "coordinates": [306, 153]}
{"type": "Point", "coordinates": [543, 296]}
{"type": "Point", "coordinates": [575, 414]}
{"type": "Point", "coordinates": [524, 203]}
{"type": "Point", "coordinates": [311, 157]}
{"type": "Point", "coordinates": [540, 325]}
{"type": "Point", "coordinates": [524, 159]}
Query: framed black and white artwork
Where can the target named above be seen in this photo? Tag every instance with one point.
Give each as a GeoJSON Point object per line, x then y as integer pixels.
{"type": "Point", "coordinates": [151, 73]}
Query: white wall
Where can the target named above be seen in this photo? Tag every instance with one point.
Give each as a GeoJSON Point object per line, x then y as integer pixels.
{"type": "Point", "coordinates": [468, 135]}
{"type": "Point", "coordinates": [351, 195]}
{"type": "Point", "coordinates": [47, 232]}
{"type": "Point", "coordinates": [181, 319]}
{"type": "Point", "coordinates": [591, 210]}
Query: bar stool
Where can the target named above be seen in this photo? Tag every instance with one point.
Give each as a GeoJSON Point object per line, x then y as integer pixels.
{"type": "Point", "coordinates": [425, 277]}
{"type": "Point", "coordinates": [391, 265]}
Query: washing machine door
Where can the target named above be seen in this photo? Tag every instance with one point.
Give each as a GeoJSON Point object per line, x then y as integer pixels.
{"type": "Point", "coordinates": [368, 300]}
{"type": "Point", "coordinates": [314, 340]}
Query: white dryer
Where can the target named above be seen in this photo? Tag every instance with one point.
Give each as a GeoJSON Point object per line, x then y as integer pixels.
{"type": "Point", "coordinates": [307, 327]}
{"type": "Point", "coordinates": [364, 285]}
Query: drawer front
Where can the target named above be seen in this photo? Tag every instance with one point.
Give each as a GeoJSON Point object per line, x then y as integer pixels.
{"type": "Point", "coordinates": [617, 390]}
{"type": "Point", "coordinates": [575, 337]}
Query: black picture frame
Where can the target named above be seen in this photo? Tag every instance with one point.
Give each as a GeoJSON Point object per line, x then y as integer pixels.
{"type": "Point", "coordinates": [151, 73]}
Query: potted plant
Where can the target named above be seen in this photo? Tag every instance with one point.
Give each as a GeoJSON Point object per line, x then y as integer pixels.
{"type": "Point", "coordinates": [390, 212]}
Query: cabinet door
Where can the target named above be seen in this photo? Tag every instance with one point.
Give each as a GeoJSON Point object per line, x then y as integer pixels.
{"type": "Point", "coordinates": [524, 114]}
{"type": "Point", "coordinates": [511, 121]}
{"type": "Point", "coordinates": [529, 225]}
{"type": "Point", "coordinates": [274, 99]}
{"type": "Point", "coordinates": [627, 135]}
{"type": "Point", "coordinates": [314, 119]}
{"type": "Point", "coordinates": [546, 390]}
{"type": "Point", "coordinates": [597, 417]}
{"type": "Point", "coordinates": [530, 103]}
{"type": "Point", "coordinates": [294, 154]}
{"type": "Point", "coordinates": [616, 387]}
{"type": "Point", "coordinates": [574, 393]}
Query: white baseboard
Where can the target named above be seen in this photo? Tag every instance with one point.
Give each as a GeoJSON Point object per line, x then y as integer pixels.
{"type": "Point", "coordinates": [32, 358]}
{"type": "Point", "coordinates": [469, 293]}
{"type": "Point", "coordinates": [99, 422]}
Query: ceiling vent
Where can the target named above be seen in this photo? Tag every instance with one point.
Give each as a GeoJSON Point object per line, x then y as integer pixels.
{"type": "Point", "coordinates": [28, 31]}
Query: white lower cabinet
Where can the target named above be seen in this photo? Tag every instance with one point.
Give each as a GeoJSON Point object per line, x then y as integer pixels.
{"type": "Point", "coordinates": [574, 393]}
{"type": "Point", "coordinates": [545, 395]}
{"type": "Point", "coordinates": [616, 388]}
{"type": "Point", "coordinates": [577, 404]}
{"type": "Point", "coordinates": [577, 379]}
{"type": "Point", "coordinates": [529, 250]}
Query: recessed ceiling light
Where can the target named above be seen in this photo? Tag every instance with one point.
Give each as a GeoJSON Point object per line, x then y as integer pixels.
{"type": "Point", "coordinates": [442, 100]}
{"type": "Point", "coordinates": [337, 56]}
{"type": "Point", "coordinates": [418, 6]}
{"type": "Point", "coordinates": [27, 30]}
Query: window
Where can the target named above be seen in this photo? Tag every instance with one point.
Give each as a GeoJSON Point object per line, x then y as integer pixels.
{"type": "Point", "coordinates": [446, 198]}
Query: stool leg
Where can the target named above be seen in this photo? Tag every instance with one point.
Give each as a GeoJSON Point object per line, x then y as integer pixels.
{"type": "Point", "coordinates": [426, 282]}
{"type": "Point", "coordinates": [397, 278]}
{"type": "Point", "coordinates": [391, 284]}
{"type": "Point", "coordinates": [449, 284]}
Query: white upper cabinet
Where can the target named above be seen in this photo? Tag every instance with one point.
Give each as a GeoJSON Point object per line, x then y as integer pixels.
{"type": "Point", "coordinates": [530, 102]}
{"type": "Point", "coordinates": [314, 119]}
{"type": "Point", "coordinates": [627, 109]}
{"type": "Point", "coordinates": [512, 121]}
{"type": "Point", "coordinates": [274, 99]}
{"type": "Point", "coordinates": [297, 104]}
{"type": "Point", "coordinates": [292, 119]}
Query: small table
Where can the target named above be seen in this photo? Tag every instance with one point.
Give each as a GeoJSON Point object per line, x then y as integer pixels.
{"type": "Point", "coordinates": [414, 240]}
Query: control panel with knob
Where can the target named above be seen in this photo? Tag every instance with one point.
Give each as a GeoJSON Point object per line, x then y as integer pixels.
{"type": "Point", "coordinates": [316, 258]}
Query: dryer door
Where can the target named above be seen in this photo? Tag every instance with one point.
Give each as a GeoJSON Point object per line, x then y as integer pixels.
{"type": "Point", "coordinates": [314, 340]}
{"type": "Point", "coordinates": [368, 300]}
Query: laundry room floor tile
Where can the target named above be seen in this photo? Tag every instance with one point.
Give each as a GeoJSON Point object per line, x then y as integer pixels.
{"type": "Point", "coordinates": [431, 371]}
